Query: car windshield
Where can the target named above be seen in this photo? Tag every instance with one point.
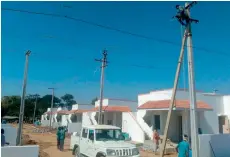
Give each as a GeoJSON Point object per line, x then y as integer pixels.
{"type": "Point", "coordinates": [109, 134]}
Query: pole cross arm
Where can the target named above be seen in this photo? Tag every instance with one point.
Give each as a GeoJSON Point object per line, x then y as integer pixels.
{"type": "Point", "coordinates": [182, 17]}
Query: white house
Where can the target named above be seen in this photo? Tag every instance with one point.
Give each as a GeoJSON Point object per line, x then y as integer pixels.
{"type": "Point", "coordinates": [61, 116]}
{"type": "Point", "coordinates": [153, 108]}
{"type": "Point", "coordinates": [74, 119]}
{"type": "Point", "coordinates": [45, 118]}
{"type": "Point", "coordinates": [139, 118]}
{"type": "Point", "coordinates": [118, 112]}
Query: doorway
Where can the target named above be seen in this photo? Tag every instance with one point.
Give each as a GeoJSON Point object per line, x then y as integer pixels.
{"type": "Point", "coordinates": [157, 122]}
{"type": "Point", "coordinates": [222, 124]}
{"type": "Point", "coordinates": [180, 128]}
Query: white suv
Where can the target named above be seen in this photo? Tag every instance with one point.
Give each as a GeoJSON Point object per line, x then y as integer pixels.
{"type": "Point", "coordinates": [102, 141]}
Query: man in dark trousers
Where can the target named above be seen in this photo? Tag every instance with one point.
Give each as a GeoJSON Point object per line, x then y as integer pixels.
{"type": "Point", "coordinates": [62, 138]}
{"type": "Point", "coordinates": [58, 137]}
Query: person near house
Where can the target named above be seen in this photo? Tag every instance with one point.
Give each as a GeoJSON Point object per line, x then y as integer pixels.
{"type": "Point", "coordinates": [62, 138]}
{"type": "Point", "coordinates": [156, 139]}
{"type": "Point", "coordinates": [58, 137]}
{"type": "Point", "coordinates": [3, 138]}
{"type": "Point", "coordinates": [183, 147]}
{"type": "Point", "coordinates": [190, 153]}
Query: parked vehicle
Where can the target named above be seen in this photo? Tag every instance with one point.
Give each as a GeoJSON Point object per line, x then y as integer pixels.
{"type": "Point", "coordinates": [102, 141]}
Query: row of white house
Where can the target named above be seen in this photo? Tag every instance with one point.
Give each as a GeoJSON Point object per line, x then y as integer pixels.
{"type": "Point", "coordinates": [139, 118]}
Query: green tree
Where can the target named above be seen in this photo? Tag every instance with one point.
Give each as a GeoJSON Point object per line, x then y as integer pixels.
{"type": "Point", "coordinates": [68, 100]}
{"type": "Point", "coordinates": [45, 102]}
{"type": "Point", "coordinates": [30, 104]}
{"type": "Point", "coordinates": [94, 100]}
{"type": "Point", "coordinates": [10, 105]}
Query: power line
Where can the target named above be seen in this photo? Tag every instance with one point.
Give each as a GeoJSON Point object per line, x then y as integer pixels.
{"type": "Point", "coordinates": [114, 29]}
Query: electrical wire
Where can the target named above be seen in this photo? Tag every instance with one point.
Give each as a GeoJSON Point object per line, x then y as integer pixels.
{"type": "Point", "coordinates": [114, 29]}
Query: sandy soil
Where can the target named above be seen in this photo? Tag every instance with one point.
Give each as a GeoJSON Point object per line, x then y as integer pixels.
{"type": "Point", "coordinates": [48, 147]}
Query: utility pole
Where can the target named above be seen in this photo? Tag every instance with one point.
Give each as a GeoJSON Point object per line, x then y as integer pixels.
{"type": "Point", "coordinates": [183, 16]}
{"type": "Point", "coordinates": [35, 105]}
{"type": "Point", "coordinates": [172, 102]}
{"type": "Point", "coordinates": [51, 108]}
{"type": "Point", "coordinates": [104, 64]}
{"type": "Point", "coordinates": [192, 93]}
{"type": "Point", "coordinates": [22, 106]}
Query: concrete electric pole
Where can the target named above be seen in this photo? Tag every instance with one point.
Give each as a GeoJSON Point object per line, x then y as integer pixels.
{"type": "Point", "coordinates": [183, 16]}
{"type": "Point", "coordinates": [51, 108]}
{"type": "Point", "coordinates": [104, 64]}
{"type": "Point", "coordinates": [22, 106]}
{"type": "Point", "coordinates": [35, 106]}
{"type": "Point", "coordinates": [172, 102]}
{"type": "Point", "coordinates": [192, 92]}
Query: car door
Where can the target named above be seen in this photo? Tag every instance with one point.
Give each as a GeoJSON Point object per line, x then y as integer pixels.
{"type": "Point", "coordinates": [83, 141]}
{"type": "Point", "coordinates": [91, 139]}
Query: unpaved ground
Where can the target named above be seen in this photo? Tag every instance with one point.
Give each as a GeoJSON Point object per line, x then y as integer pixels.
{"type": "Point", "coordinates": [48, 147]}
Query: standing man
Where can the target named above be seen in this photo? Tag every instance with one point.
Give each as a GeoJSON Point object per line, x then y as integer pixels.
{"type": "Point", "coordinates": [58, 137]}
{"type": "Point", "coordinates": [156, 139]}
{"type": "Point", "coordinates": [62, 138]}
{"type": "Point", "coordinates": [183, 147]}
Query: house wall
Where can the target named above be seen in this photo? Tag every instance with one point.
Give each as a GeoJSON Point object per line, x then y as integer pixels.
{"type": "Point", "coordinates": [56, 124]}
{"type": "Point", "coordinates": [82, 107]}
{"type": "Point", "coordinates": [64, 121]}
{"type": "Point", "coordinates": [85, 107]}
{"type": "Point", "coordinates": [20, 151]}
{"type": "Point", "coordinates": [118, 102]}
{"type": "Point", "coordinates": [86, 118]}
{"type": "Point", "coordinates": [226, 105]}
{"type": "Point", "coordinates": [74, 107]}
{"type": "Point", "coordinates": [131, 104]}
{"type": "Point", "coordinates": [74, 127]}
{"type": "Point", "coordinates": [45, 122]}
{"type": "Point", "coordinates": [104, 103]}
{"type": "Point", "coordinates": [217, 143]}
{"type": "Point", "coordinates": [209, 119]}
{"type": "Point", "coordinates": [10, 134]}
{"type": "Point", "coordinates": [131, 126]}
{"type": "Point", "coordinates": [173, 132]}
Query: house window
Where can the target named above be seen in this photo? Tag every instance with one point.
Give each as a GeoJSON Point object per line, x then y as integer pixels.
{"type": "Point", "coordinates": [157, 122]}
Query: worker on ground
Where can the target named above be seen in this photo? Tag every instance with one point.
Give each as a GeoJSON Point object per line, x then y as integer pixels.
{"type": "Point", "coordinates": [3, 138]}
{"type": "Point", "coordinates": [58, 137]}
{"type": "Point", "coordinates": [183, 147]}
{"type": "Point", "coordinates": [62, 138]}
{"type": "Point", "coordinates": [156, 139]}
{"type": "Point", "coordinates": [190, 153]}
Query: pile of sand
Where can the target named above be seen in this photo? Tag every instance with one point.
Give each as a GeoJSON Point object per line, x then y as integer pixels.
{"type": "Point", "coordinates": [27, 141]}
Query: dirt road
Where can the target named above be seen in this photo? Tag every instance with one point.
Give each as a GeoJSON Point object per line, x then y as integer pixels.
{"type": "Point", "coordinates": [48, 144]}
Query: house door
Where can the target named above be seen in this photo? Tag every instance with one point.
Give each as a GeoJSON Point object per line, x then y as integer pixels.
{"type": "Point", "coordinates": [157, 122]}
{"type": "Point", "coordinates": [223, 124]}
{"type": "Point", "coordinates": [180, 130]}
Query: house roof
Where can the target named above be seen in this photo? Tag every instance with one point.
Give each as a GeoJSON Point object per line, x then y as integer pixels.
{"type": "Point", "coordinates": [113, 109]}
{"type": "Point", "coordinates": [67, 112]}
{"type": "Point", "coordinates": [159, 104]}
{"type": "Point", "coordinates": [77, 111]}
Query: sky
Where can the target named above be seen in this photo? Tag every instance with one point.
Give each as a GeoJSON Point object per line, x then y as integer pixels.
{"type": "Point", "coordinates": [63, 50]}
